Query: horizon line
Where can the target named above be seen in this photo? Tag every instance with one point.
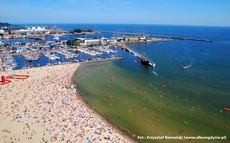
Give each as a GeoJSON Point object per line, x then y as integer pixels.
{"type": "Point", "coordinates": [122, 24]}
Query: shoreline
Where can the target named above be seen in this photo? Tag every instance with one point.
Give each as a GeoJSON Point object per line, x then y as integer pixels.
{"type": "Point", "coordinates": [98, 115]}
{"type": "Point", "coordinates": [52, 111]}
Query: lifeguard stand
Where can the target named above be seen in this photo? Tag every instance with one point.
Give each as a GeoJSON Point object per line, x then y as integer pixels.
{"type": "Point", "coordinates": [3, 79]}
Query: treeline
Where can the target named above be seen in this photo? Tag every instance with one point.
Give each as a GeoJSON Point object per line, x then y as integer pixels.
{"type": "Point", "coordinates": [4, 24]}
{"type": "Point", "coordinates": [78, 30]}
{"type": "Point", "coordinates": [72, 43]}
{"type": "Point", "coordinates": [8, 26]}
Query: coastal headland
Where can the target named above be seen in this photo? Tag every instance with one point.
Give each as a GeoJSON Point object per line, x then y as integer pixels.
{"type": "Point", "coordinates": [46, 107]}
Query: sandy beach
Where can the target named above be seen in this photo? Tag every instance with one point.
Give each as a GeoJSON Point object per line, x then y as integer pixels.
{"type": "Point", "coordinates": [46, 108]}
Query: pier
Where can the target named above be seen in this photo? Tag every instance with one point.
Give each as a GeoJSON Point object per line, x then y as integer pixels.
{"type": "Point", "coordinates": [101, 60]}
{"type": "Point", "coordinates": [144, 59]}
{"type": "Point", "coordinates": [184, 38]}
{"type": "Point", "coordinates": [36, 37]}
{"type": "Point", "coordinates": [161, 36]}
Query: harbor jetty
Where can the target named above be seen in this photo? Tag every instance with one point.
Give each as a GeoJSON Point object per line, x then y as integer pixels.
{"type": "Point", "coordinates": [143, 58]}
{"type": "Point", "coordinates": [36, 37]}
{"type": "Point", "coordinates": [101, 60]}
{"type": "Point", "coordinates": [144, 38]}
{"type": "Point", "coordinates": [184, 38]}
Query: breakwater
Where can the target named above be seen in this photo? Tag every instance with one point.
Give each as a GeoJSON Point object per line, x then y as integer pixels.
{"type": "Point", "coordinates": [184, 38]}
{"type": "Point", "coordinates": [154, 37]}
{"type": "Point", "coordinates": [101, 60]}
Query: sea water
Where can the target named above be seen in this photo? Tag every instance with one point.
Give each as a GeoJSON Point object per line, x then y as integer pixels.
{"type": "Point", "coordinates": [131, 95]}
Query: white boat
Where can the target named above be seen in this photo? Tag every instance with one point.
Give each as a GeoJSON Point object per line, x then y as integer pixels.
{"type": "Point", "coordinates": [150, 64]}
{"type": "Point", "coordinates": [56, 38]}
{"type": "Point", "coordinates": [8, 67]}
{"type": "Point", "coordinates": [67, 56]}
{"type": "Point", "coordinates": [75, 55]}
{"type": "Point", "coordinates": [58, 58]}
{"type": "Point", "coordinates": [57, 35]}
{"type": "Point", "coordinates": [52, 57]}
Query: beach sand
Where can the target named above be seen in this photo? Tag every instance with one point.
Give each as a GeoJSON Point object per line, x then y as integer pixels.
{"type": "Point", "coordinates": [46, 108]}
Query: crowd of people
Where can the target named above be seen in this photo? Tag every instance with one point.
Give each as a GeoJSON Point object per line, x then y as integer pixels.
{"type": "Point", "coordinates": [46, 108]}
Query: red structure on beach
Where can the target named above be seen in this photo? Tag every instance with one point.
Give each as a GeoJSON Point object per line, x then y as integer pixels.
{"type": "Point", "coordinates": [4, 80]}
{"type": "Point", "coordinates": [16, 76]}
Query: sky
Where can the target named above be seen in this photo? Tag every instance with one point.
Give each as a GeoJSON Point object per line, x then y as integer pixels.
{"type": "Point", "coordinates": [167, 12]}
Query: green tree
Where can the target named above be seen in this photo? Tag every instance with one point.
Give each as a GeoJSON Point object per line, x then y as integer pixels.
{"type": "Point", "coordinates": [69, 42]}
{"type": "Point", "coordinates": [76, 43]}
{"type": "Point", "coordinates": [77, 30]}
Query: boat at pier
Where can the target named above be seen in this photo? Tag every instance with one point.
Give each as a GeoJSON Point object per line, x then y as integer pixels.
{"type": "Point", "coordinates": [56, 38]}
{"type": "Point", "coordinates": [8, 62]}
{"type": "Point", "coordinates": [67, 54]}
{"type": "Point", "coordinates": [33, 58]}
{"type": "Point", "coordinates": [31, 55]}
{"type": "Point", "coordinates": [145, 61]}
{"type": "Point", "coordinates": [51, 56]}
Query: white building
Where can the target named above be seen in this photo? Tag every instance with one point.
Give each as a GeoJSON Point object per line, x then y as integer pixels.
{"type": "Point", "coordinates": [92, 42]}
{"type": "Point", "coordinates": [142, 38]}
{"type": "Point", "coordinates": [87, 42]}
{"type": "Point", "coordinates": [1, 31]}
{"type": "Point", "coordinates": [33, 29]}
{"type": "Point", "coordinates": [112, 41]}
{"type": "Point", "coordinates": [103, 41]}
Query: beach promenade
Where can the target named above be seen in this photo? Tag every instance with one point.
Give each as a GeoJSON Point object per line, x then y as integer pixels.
{"type": "Point", "coordinates": [45, 108]}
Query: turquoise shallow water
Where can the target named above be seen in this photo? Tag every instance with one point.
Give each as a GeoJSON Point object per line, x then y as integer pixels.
{"type": "Point", "coordinates": [131, 96]}
{"type": "Point", "coordinates": [142, 107]}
